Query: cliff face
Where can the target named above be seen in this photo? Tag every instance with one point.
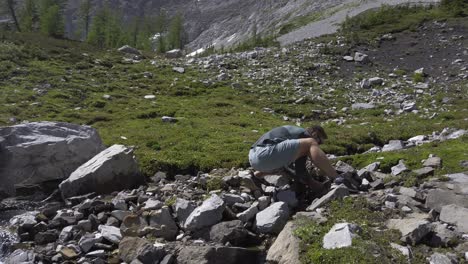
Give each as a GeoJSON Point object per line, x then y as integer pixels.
{"type": "Point", "coordinates": [216, 22]}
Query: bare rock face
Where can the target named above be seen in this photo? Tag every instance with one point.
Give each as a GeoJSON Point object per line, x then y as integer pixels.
{"type": "Point", "coordinates": [111, 170]}
{"type": "Point", "coordinates": [38, 152]}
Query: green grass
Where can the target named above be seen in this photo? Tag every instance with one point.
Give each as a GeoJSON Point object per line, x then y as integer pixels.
{"type": "Point", "coordinates": [372, 245]}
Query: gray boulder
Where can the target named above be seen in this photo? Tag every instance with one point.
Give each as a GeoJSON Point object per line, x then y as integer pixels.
{"type": "Point", "coordinates": [288, 197]}
{"type": "Point", "coordinates": [273, 218]}
{"type": "Point", "coordinates": [175, 53]}
{"type": "Point", "coordinates": [132, 248]}
{"type": "Point", "coordinates": [217, 255]}
{"type": "Point", "coordinates": [413, 229]}
{"type": "Point", "coordinates": [286, 248]}
{"type": "Point", "coordinates": [207, 214]}
{"type": "Point", "coordinates": [439, 258]}
{"type": "Point", "coordinates": [129, 50]}
{"type": "Point", "coordinates": [399, 168]}
{"type": "Point", "coordinates": [393, 145]}
{"type": "Point", "coordinates": [360, 106]}
{"type": "Point", "coordinates": [231, 231]}
{"type": "Point", "coordinates": [37, 152]}
{"type": "Point", "coordinates": [361, 57]}
{"type": "Point", "coordinates": [183, 209]}
{"type": "Point", "coordinates": [21, 256]}
{"type": "Point", "coordinates": [456, 215]}
{"type": "Point", "coordinates": [163, 223]}
{"type": "Point", "coordinates": [111, 233]}
{"type": "Point", "coordinates": [248, 214]}
{"type": "Point", "coordinates": [340, 235]}
{"type": "Point", "coordinates": [111, 170]}
{"type": "Point", "coordinates": [437, 198]}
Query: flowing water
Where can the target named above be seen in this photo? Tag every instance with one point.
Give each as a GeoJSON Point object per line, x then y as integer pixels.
{"type": "Point", "coordinates": [8, 237]}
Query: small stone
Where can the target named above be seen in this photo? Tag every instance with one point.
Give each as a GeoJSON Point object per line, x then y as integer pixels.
{"type": "Point", "coordinates": [405, 251]}
{"type": "Point", "coordinates": [178, 69]}
{"type": "Point", "coordinates": [110, 233]}
{"type": "Point", "coordinates": [393, 145]}
{"type": "Point", "coordinates": [438, 258]}
{"type": "Point", "coordinates": [456, 215]}
{"type": "Point", "coordinates": [208, 214]}
{"type": "Point", "coordinates": [426, 171]}
{"type": "Point", "coordinates": [287, 196]}
{"type": "Point", "coordinates": [348, 58]}
{"type": "Point", "coordinates": [400, 168]}
{"type": "Point", "coordinates": [150, 96]}
{"type": "Point", "coordinates": [361, 57]}
{"type": "Point", "coordinates": [413, 229]}
{"type": "Point", "coordinates": [248, 214]}
{"type": "Point", "coordinates": [337, 193]}
{"type": "Point", "coordinates": [340, 235]}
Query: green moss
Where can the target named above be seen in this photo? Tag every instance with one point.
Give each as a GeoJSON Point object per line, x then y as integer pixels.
{"type": "Point", "coordinates": [214, 183]}
{"type": "Point", "coordinates": [418, 77]}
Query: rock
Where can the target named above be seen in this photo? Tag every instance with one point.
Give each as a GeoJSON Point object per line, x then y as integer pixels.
{"type": "Point", "coordinates": [85, 225]}
{"type": "Point", "coordinates": [217, 255]}
{"type": "Point", "coordinates": [343, 167]}
{"type": "Point", "coordinates": [423, 172]}
{"type": "Point", "coordinates": [361, 57]}
{"type": "Point", "coordinates": [433, 162]}
{"type": "Point", "coordinates": [231, 231]}
{"type": "Point", "coordinates": [208, 214]}
{"type": "Point", "coordinates": [101, 253]}
{"type": "Point", "coordinates": [437, 198]}
{"type": "Point", "coordinates": [164, 224]}
{"type": "Point", "coordinates": [152, 204]}
{"type": "Point", "coordinates": [340, 235]}
{"type": "Point", "coordinates": [129, 50]}
{"type": "Point", "coordinates": [168, 259]}
{"type": "Point", "coordinates": [68, 253]}
{"type": "Point", "coordinates": [405, 251]}
{"type": "Point", "coordinates": [337, 193]}
{"type": "Point", "coordinates": [400, 168]}
{"type": "Point", "coordinates": [348, 58]}
{"type": "Point", "coordinates": [375, 81]}
{"type": "Point", "coordinates": [263, 202]}
{"type": "Point", "coordinates": [48, 236]}
{"type": "Point", "coordinates": [286, 248]}
{"type": "Point", "coordinates": [183, 209]}
{"type": "Point", "coordinates": [408, 106]}
{"type": "Point", "coordinates": [456, 215]}
{"type": "Point", "coordinates": [38, 152]}
{"type": "Point", "coordinates": [458, 177]}
{"type": "Point", "coordinates": [111, 170]}
{"type": "Point", "coordinates": [88, 242]}
{"type": "Point", "coordinates": [133, 225]}
{"type": "Point", "coordinates": [442, 236]}
{"type": "Point", "coordinates": [21, 256]}
{"type": "Point", "coordinates": [393, 145]}
{"type": "Point", "coordinates": [287, 196]}
{"type": "Point", "coordinates": [110, 233]}
{"type": "Point", "coordinates": [178, 69]}
{"type": "Point", "coordinates": [131, 248]}
{"type": "Point", "coordinates": [277, 180]}
{"type": "Point", "coordinates": [231, 199]}
{"type": "Point", "coordinates": [359, 106]}
{"type": "Point", "coordinates": [438, 258]}
{"type": "Point", "coordinates": [413, 229]}
{"type": "Point", "coordinates": [175, 53]}
{"type": "Point", "coordinates": [420, 71]}
{"type": "Point", "coordinates": [248, 214]}
{"type": "Point", "coordinates": [273, 218]}
{"type": "Point", "coordinates": [169, 119]}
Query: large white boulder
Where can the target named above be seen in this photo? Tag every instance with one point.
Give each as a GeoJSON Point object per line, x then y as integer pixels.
{"type": "Point", "coordinates": [37, 152]}
{"type": "Point", "coordinates": [114, 169]}
{"type": "Point", "coordinates": [273, 218]}
{"type": "Point", "coordinates": [205, 215]}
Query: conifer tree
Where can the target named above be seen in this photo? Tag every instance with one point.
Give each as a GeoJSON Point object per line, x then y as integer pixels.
{"type": "Point", "coordinates": [85, 18]}
{"type": "Point", "coordinates": [10, 6]}
{"type": "Point", "coordinates": [175, 32]}
{"type": "Point", "coordinates": [28, 16]}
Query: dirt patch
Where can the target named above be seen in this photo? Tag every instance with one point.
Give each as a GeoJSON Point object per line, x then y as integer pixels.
{"type": "Point", "coordinates": [435, 46]}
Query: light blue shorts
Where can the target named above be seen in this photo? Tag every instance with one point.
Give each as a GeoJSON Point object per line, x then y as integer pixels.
{"type": "Point", "coordinates": [272, 157]}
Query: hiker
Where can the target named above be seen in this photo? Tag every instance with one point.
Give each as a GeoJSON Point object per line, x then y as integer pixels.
{"type": "Point", "coordinates": [281, 146]}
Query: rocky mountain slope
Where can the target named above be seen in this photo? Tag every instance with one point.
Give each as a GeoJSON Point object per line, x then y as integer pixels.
{"type": "Point", "coordinates": [393, 105]}
{"type": "Point", "coordinates": [228, 23]}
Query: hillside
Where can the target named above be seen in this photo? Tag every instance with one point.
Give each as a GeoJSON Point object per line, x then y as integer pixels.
{"type": "Point", "coordinates": [390, 87]}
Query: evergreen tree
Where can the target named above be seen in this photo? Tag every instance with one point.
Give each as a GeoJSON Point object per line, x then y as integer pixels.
{"type": "Point", "coordinates": [28, 16]}
{"type": "Point", "coordinates": [51, 19]}
{"type": "Point", "coordinates": [85, 18]}
{"type": "Point", "coordinates": [96, 34]}
{"type": "Point", "coordinates": [175, 32]}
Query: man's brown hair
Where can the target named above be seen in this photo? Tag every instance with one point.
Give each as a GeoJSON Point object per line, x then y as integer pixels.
{"type": "Point", "coordinates": [317, 132]}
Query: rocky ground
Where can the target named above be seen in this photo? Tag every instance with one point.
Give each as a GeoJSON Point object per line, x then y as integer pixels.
{"type": "Point", "coordinates": [203, 218]}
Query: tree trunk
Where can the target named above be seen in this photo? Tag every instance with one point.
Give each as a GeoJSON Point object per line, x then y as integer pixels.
{"type": "Point", "coordinates": [11, 7]}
